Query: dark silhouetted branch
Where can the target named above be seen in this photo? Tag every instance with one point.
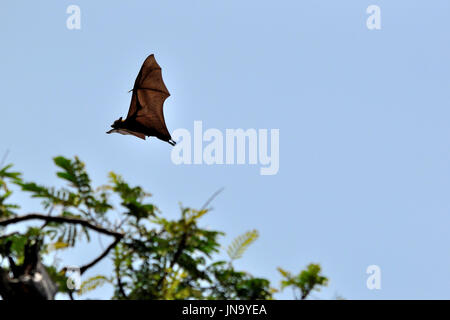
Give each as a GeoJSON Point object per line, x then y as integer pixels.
{"type": "Point", "coordinates": [82, 222]}
{"type": "Point", "coordinates": [100, 257]}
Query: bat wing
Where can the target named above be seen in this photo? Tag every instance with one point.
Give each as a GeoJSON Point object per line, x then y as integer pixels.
{"type": "Point", "coordinates": [133, 105]}
{"type": "Point", "coordinates": [151, 114]}
{"type": "Point", "coordinates": [149, 94]}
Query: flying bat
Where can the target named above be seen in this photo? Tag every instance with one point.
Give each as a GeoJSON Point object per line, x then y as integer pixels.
{"type": "Point", "coordinates": [145, 116]}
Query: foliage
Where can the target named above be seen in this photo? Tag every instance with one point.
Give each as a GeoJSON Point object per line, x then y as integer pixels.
{"type": "Point", "coordinates": [237, 248]}
{"type": "Point", "coordinates": [232, 284]}
{"type": "Point", "coordinates": [153, 257]}
{"type": "Point", "coordinates": [305, 282]}
{"type": "Point", "coordinates": [7, 209]}
{"type": "Point", "coordinates": [92, 283]}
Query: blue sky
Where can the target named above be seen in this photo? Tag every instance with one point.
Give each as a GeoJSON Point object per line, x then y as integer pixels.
{"type": "Point", "coordinates": [363, 116]}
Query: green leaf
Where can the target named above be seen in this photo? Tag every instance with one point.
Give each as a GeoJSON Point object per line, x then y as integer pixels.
{"type": "Point", "coordinates": [237, 248]}
{"type": "Point", "coordinates": [92, 283]}
{"type": "Point", "coordinates": [284, 273]}
{"type": "Point", "coordinates": [57, 246]}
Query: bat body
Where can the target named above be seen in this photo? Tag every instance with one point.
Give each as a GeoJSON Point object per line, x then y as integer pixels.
{"type": "Point", "coordinates": [145, 116]}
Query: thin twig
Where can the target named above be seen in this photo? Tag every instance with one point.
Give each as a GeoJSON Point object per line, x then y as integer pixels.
{"type": "Point", "coordinates": [100, 241]}
{"type": "Point", "coordinates": [100, 257]}
{"type": "Point", "coordinates": [4, 158]}
{"type": "Point", "coordinates": [122, 222]}
{"type": "Point", "coordinates": [213, 196]}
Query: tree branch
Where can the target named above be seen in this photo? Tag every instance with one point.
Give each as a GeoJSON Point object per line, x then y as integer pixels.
{"type": "Point", "coordinates": [100, 257]}
{"type": "Point", "coordinates": [82, 222]}
{"type": "Point", "coordinates": [35, 216]}
{"type": "Point", "coordinates": [176, 256]}
{"type": "Point", "coordinates": [119, 283]}
{"type": "Point", "coordinates": [8, 235]}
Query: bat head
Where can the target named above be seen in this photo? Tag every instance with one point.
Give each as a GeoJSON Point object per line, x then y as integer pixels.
{"type": "Point", "coordinates": [118, 123]}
